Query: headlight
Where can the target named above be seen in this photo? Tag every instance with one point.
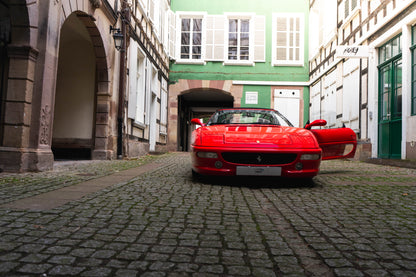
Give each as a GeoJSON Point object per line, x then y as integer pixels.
{"type": "Point", "coordinates": [209, 155]}
{"type": "Point", "coordinates": [310, 157]}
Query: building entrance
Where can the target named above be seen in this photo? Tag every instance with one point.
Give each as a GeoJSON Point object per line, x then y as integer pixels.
{"type": "Point", "coordinates": [73, 126]}
{"type": "Point", "coordinates": [200, 103]}
{"type": "Point", "coordinates": [390, 101]}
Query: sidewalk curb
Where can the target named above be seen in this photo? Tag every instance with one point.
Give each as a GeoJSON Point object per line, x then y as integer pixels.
{"type": "Point", "coordinates": [59, 197]}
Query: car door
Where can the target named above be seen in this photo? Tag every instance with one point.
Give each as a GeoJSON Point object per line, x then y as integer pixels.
{"type": "Point", "coordinates": [337, 143]}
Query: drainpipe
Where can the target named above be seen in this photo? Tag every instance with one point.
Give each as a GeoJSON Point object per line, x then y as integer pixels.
{"type": "Point", "coordinates": [122, 81]}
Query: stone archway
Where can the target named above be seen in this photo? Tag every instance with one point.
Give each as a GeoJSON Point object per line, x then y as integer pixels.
{"type": "Point", "coordinates": [196, 97]}
{"type": "Point", "coordinates": [30, 80]}
{"type": "Point", "coordinates": [198, 103]}
{"type": "Point", "coordinates": [73, 127]}
{"type": "Point", "coordinates": [99, 141]}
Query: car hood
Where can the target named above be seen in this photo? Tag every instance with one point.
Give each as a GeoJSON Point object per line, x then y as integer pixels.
{"type": "Point", "coordinates": [256, 136]}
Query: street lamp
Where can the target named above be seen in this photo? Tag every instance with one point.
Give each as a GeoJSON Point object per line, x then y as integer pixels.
{"type": "Point", "coordinates": [118, 37]}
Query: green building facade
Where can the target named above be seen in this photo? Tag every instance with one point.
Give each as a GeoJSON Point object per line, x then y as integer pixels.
{"type": "Point", "coordinates": [236, 53]}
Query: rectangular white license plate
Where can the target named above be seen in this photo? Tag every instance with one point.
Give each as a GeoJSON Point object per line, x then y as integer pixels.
{"type": "Point", "coordinates": [258, 171]}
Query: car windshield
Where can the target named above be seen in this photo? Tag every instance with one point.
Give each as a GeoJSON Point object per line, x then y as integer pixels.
{"type": "Point", "coordinates": [244, 116]}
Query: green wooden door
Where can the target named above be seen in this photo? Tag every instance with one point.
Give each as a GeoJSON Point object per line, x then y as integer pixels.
{"type": "Point", "coordinates": [390, 109]}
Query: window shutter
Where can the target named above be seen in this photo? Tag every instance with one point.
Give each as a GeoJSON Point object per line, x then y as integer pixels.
{"type": "Point", "coordinates": [259, 38]}
{"type": "Point", "coordinates": [215, 38]}
{"type": "Point", "coordinates": [172, 34]}
{"type": "Point", "coordinates": [148, 92]}
{"type": "Point", "coordinates": [281, 39]}
{"type": "Point", "coordinates": [353, 4]}
{"type": "Point", "coordinates": [346, 8]}
{"type": "Point", "coordinates": [132, 79]}
{"type": "Point", "coordinates": [152, 10]}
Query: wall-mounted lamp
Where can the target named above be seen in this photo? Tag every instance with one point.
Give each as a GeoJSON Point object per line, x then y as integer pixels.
{"type": "Point", "coordinates": [118, 37]}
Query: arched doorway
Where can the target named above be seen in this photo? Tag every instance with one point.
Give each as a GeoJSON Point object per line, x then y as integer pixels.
{"type": "Point", "coordinates": [74, 124]}
{"type": "Point", "coordinates": [198, 103]}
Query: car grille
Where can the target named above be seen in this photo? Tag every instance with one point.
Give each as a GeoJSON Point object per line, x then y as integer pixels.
{"type": "Point", "coordinates": [259, 158]}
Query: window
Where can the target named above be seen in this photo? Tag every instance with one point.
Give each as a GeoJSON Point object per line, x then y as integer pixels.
{"type": "Point", "coordinates": [288, 39]}
{"type": "Point", "coordinates": [164, 107]}
{"type": "Point", "coordinates": [191, 38]}
{"type": "Point", "coordinates": [390, 49]}
{"type": "Point", "coordinates": [239, 39]}
{"type": "Point", "coordinates": [349, 6]}
{"type": "Point", "coordinates": [243, 29]}
{"type": "Point", "coordinates": [137, 83]}
{"type": "Point", "coordinates": [390, 80]}
{"type": "Point", "coordinates": [413, 50]}
{"type": "Point", "coordinates": [140, 89]}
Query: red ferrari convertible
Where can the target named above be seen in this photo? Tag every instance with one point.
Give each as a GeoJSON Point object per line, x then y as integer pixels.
{"type": "Point", "coordinates": [262, 142]}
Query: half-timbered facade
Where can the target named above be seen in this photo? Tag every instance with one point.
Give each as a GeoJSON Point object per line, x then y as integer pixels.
{"type": "Point", "coordinates": [148, 71]}
{"type": "Point", "coordinates": [362, 72]}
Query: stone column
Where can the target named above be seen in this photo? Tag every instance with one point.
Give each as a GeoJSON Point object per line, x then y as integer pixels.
{"type": "Point", "coordinates": [17, 108]}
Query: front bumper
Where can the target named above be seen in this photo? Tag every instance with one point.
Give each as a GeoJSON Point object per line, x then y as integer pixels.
{"type": "Point", "coordinates": [295, 168]}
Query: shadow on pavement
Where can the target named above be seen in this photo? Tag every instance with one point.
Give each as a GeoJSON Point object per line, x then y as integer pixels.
{"type": "Point", "coordinates": [255, 182]}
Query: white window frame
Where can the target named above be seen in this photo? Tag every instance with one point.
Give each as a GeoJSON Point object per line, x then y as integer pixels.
{"type": "Point", "coordinates": [351, 11]}
{"type": "Point", "coordinates": [137, 84]}
{"type": "Point", "coordinates": [240, 16]}
{"type": "Point", "coordinates": [193, 15]}
{"type": "Point", "coordinates": [140, 88]}
{"type": "Point", "coordinates": [163, 107]}
{"type": "Point", "coordinates": [287, 62]}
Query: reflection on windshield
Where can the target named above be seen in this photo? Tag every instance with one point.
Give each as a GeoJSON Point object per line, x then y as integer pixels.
{"type": "Point", "coordinates": [264, 117]}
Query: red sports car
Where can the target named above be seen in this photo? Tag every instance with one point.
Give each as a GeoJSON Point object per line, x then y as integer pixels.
{"type": "Point", "coordinates": [262, 142]}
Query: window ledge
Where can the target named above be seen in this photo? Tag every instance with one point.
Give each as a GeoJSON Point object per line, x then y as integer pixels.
{"type": "Point", "coordinates": [240, 63]}
{"type": "Point", "coordinates": [298, 64]}
{"type": "Point", "coordinates": [198, 62]}
{"type": "Point", "coordinates": [139, 125]}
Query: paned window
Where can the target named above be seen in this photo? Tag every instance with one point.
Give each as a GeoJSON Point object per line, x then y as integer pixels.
{"type": "Point", "coordinates": [413, 51]}
{"type": "Point", "coordinates": [390, 68]}
{"type": "Point", "coordinates": [349, 6]}
{"type": "Point", "coordinates": [390, 49]}
{"type": "Point", "coordinates": [191, 38]}
{"type": "Point", "coordinates": [239, 39]}
{"type": "Point", "coordinates": [288, 39]}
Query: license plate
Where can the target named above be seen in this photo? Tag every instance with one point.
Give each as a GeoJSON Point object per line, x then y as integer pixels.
{"type": "Point", "coordinates": [258, 171]}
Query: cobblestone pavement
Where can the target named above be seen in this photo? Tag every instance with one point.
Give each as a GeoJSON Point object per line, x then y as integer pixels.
{"type": "Point", "coordinates": [357, 219]}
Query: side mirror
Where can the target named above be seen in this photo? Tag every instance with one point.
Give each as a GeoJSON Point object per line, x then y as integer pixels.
{"type": "Point", "coordinates": [318, 122]}
{"type": "Point", "coordinates": [197, 121]}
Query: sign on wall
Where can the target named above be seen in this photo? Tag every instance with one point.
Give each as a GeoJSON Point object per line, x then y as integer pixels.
{"type": "Point", "coordinates": [252, 97]}
{"type": "Point", "coordinates": [348, 51]}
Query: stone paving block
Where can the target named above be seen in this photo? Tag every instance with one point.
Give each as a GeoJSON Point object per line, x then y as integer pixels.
{"type": "Point", "coordinates": [356, 219]}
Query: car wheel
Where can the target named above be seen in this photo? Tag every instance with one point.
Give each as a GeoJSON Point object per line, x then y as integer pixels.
{"type": "Point", "coordinates": [308, 182]}
{"type": "Point", "coordinates": [196, 176]}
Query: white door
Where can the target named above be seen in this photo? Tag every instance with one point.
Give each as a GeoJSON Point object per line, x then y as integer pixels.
{"type": "Point", "coordinates": [287, 102]}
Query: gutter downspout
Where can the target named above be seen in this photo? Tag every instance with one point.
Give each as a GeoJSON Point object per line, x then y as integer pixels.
{"type": "Point", "coordinates": [122, 80]}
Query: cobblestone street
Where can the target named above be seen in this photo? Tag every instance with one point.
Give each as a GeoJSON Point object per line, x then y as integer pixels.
{"type": "Point", "coordinates": [357, 219]}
